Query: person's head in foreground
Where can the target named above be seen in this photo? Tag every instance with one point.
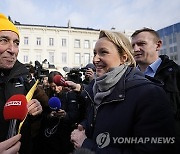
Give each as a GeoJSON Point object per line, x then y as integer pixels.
{"type": "Point", "coordinates": [9, 43]}
{"type": "Point", "coordinates": [112, 50]}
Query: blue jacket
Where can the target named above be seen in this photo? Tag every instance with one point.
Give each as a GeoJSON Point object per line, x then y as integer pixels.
{"type": "Point", "coordinates": [131, 119]}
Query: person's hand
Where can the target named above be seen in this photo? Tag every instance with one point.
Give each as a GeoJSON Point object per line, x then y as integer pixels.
{"type": "Point", "coordinates": [78, 136]}
{"type": "Point", "coordinates": [89, 74]}
{"type": "Point", "coordinates": [73, 86]}
{"type": "Point", "coordinates": [34, 107]}
{"type": "Point", "coordinates": [61, 113]}
{"type": "Point", "coordinates": [80, 127]}
{"type": "Point", "coordinates": [11, 145]}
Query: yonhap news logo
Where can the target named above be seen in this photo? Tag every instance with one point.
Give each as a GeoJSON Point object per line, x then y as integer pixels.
{"type": "Point", "coordinates": [104, 139]}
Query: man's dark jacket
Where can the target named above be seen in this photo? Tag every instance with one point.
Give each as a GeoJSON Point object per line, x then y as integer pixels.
{"type": "Point", "coordinates": [169, 74]}
{"type": "Point", "coordinates": [16, 81]}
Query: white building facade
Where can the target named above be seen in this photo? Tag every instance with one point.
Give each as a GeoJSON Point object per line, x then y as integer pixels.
{"type": "Point", "coordinates": [60, 46]}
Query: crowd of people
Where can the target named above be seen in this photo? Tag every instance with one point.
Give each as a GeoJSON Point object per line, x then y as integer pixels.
{"type": "Point", "coordinates": [129, 92]}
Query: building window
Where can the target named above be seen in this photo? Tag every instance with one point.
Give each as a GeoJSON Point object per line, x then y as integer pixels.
{"type": "Point", "coordinates": [164, 41]}
{"type": "Point", "coordinates": [26, 40]}
{"type": "Point", "coordinates": [77, 43]}
{"type": "Point", "coordinates": [175, 57]}
{"type": "Point", "coordinates": [26, 59]}
{"type": "Point", "coordinates": [51, 57]}
{"type": "Point", "coordinates": [64, 57]}
{"type": "Point", "coordinates": [86, 58]}
{"type": "Point", "coordinates": [165, 52]}
{"type": "Point", "coordinates": [171, 49]}
{"type": "Point", "coordinates": [94, 42]}
{"type": "Point", "coordinates": [175, 48]}
{"type": "Point", "coordinates": [77, 59]}
{"type": "Point", "coordinates": [86, 44]}
{"type": "Point", "coordinates": [51, 41]}
{"type": "Point", "coordinates": [64, 43]}
{"type": "Point", "coordinates": [174, 38]}
{"type": "Point", "coordinates": [38, 41]}
{"type": "Point", "coordinates": [38, 57]}
{"type": "Point", "coordinates": [170, 39]}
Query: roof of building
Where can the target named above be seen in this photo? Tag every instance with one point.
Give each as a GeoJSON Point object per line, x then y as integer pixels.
{"type": "Point", "coordinates": [175, 28]}
{"type": "Point", "coordinates": [63, 27]}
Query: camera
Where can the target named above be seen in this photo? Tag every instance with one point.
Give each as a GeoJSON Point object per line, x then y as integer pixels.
{"type": "Point", "coordinates": [39, 71]}
{"type": "Point", "coordinates": [75, 74]}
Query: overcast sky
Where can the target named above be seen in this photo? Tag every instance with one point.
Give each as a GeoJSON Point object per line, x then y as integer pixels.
{"type": "Point", "coordinates": [97, 14]}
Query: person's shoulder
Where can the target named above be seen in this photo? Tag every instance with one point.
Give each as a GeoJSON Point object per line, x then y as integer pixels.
{"type": "Point", "coordinates": [168, 64]}
{"type": "Point", "coordinates": [145, 84]}
{"type": "Point", "coordinates": [136, 78]}
{"type": "Point", "coordinates": [19, 69]}
{"type": "Point", "coordinates": [19, 64]}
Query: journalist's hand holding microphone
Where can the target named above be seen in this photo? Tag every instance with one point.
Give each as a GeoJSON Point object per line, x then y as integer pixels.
{"type": "Point", "coordinates": [60, 113]}
{"type": "Point", "coordinates": [55, 105]}
{"type": "Point", "coordinates": [34, 107]}
{"type": "Point", "coordinates": [73, 86]}
{"type": "Point", "coordinates": [68, 85]}
{"type": "Point", "coordinates": [89, 74]}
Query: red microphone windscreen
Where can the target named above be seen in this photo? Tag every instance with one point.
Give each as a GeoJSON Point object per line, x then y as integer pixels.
{"type": "Point", "coordinates": [59, 81]}
{"type": "Point", "coordinates": [15, 108]}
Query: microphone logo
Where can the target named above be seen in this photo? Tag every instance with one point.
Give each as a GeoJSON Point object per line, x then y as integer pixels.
{"type": "Point", "coordinates": [54, 108]}
{"type": "Point", "coordinates": [62, 80]}
{"type": "Point", "coordinates": [13, 103]}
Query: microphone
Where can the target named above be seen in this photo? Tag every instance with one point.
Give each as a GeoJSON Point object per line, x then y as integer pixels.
{"type": "Point", "coordinates": [90, 65]}
{"type": "Point", "coordinates": [66, 69]}
{"type": "Point", "coordinates": [15, 110]}
{"type": "Point", "coordinates": [54, 103]}
{"type": "Point", "coordinates": [60, 81]}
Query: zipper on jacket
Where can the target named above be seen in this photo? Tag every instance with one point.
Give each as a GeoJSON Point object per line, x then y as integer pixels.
{"type": "Point", "coordinates": [96, 108]}
{"type": "Point", "coordinates": [108, 103]}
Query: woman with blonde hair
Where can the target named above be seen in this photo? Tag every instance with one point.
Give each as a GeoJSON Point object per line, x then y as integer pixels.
{"type": "Point", "coordinates": [125, 110]}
